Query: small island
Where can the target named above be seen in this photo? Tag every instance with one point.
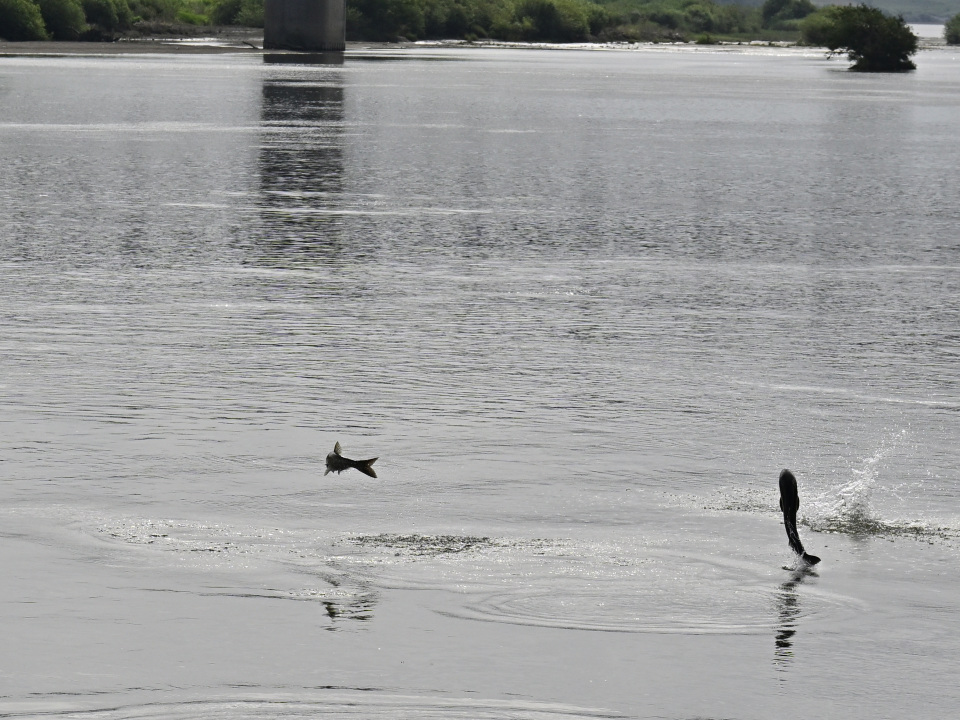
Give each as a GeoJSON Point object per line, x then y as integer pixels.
{"type": "Point", "coordinates": [875, 42]}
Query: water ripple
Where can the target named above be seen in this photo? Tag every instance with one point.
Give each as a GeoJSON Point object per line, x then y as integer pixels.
{"type": "Point", "coordinates": [332, 702]}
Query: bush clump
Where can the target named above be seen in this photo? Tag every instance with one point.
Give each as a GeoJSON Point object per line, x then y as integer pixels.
{"type": "Point", "coordinates": [191, 18]}
{"type": "Point", "coordinates": [155, 10]}
{"type": "Point", "coordinates": [107, 16]}
{"type": "Point", "coordinates": [875, 42]}
{"type": "Point", "coordinates": [785, 14]}
{"type": "Point", "coordinates": [951, 31]}
{"type": "Point", "coordinates": [64, 19]}
{"type": "Point", "coordinates": [21, 20]}
{"type": "Point", "coordinates": [251, 13]}
{"type": "Point", "coordinates": [224, 12]}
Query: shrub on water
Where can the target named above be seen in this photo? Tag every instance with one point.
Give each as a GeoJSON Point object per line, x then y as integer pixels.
{"type": "Point", "coordinates": [951, 31]}
{"type": "Point", "coordinates": [21, 20]}
{"type": "Point", "coordinates": [875, 42]}
{"type": "Point", "coordinates": [64, 18]}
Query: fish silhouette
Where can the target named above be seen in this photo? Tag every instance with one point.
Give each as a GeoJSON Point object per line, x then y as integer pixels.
{"type": "Point", "coordinates": [789, 504]}
{"type": "Point", "coordinates": [338, 463]}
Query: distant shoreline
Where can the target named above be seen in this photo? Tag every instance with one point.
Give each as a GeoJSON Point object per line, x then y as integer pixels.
{"type": "Point", "coordinates": [200, 45]}
{"type": "Point", "coordinates": [215, 46]}
{"type": "Point", "coordinates": [222, 40]}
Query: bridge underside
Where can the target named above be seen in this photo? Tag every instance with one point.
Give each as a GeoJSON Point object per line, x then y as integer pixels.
{"type": "Point", "coordinates": [308, 25]}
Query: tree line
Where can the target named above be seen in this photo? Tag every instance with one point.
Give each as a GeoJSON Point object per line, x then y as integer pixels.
{"type": "Point", "coordinates": [391, 20]}
{"type": "Point", "coordinates": [872, 39]}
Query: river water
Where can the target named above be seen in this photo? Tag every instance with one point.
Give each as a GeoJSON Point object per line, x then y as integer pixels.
{"type": "Point", "coordinates": [583, 305]}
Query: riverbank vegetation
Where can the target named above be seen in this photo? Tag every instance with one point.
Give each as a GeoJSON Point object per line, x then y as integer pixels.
{"type": "Point", "coordinates": [93, 19]}
{"type": "Point", "coordinates": [951, 31]}
{"type": "Point", "coordinates": [702, 21]}
{"type": "Point", "coordinates": [390, 20]}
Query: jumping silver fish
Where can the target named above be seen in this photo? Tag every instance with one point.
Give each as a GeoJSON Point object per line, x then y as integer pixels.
{"type": "Point", "coordinates": [338, 463]}
{"type": "Point", "coordinates": [789, 504]}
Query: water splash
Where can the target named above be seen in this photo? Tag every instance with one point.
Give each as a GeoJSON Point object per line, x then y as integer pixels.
{"type": "Point", "coordinates": [851, 509]}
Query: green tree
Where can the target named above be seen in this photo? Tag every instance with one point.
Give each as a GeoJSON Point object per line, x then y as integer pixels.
{"type": "Point", "coordinates": [951, 31]}
{"type": "Point", "coordinates": [738, 19]}
{"type": "Point", "coordinates": [815, 27]}
{"type": "Point", "coordinates": [385, 19]}
{"type": "Point", "coordinates": [664, 15]}
{"type": "Point", "coordinates": [250, 13]}
{"type": "Point", "coordinates": [875, 42]}
{"type": "Point", "coordinates": [554, 20]}
{"type": "Point", "coordinates": [778, 14]}
{"type": "Point", "coordinates": [700, 17]}
{"type": "Point", "coordinates": [156, 10]}
{"type": "Point", "coordinates": [64, 18]}
{"type": "Point", "coordinates": [108, 15]}
{"type": "Point", "coordinates": [225, 12]}
{"type": "Point", "coordinates": [21, 20]}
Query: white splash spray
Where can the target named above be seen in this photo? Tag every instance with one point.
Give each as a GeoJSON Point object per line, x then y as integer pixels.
{"type": "Point", "coordinates": [850, 509]}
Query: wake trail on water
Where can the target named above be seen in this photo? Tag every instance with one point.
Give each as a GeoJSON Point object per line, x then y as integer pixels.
{"type": "Point", "coordinates": [333, 702]}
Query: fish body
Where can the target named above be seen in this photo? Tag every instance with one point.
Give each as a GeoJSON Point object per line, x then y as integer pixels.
{"type": "Point", "coordinates": [789, 504]}
{"type": "Point", "coordinates": [338, 463]}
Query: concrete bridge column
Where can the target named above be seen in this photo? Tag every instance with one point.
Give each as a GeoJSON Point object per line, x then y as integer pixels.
{"type": "Point", "coordinates": [309, 25]}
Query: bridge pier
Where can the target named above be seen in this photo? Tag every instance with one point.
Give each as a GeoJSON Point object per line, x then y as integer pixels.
{"type": "Point", "coordinates": [309, 25]}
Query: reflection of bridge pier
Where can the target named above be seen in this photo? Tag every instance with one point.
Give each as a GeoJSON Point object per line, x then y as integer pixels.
{"type": "Point", "coordinates": [301, 157]}
{"type": "Point", "coordinates": [310, 25]}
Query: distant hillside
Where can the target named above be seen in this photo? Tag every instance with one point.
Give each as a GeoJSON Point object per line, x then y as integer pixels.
{"type": "Point", "coordinates": [915, 11]}
{"type": "Point", "coordinates": [918, 11]}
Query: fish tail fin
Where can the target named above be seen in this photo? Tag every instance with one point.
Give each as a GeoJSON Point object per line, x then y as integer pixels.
{"type": "Point", "coordinates": [366, 466]}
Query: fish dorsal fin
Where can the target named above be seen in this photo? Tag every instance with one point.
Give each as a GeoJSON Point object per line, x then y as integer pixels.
{"type": "Point", "coordinates": [336, 448]}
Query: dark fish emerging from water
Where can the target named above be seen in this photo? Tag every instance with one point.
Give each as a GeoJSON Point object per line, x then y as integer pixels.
{"type": "Point", "coordinates": [790, 503]}
{"type": "Point", "coordinates": [338, 463]}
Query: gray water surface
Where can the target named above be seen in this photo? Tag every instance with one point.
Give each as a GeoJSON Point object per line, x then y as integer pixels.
{"type": "Point", "coordinates": [584, 306]}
